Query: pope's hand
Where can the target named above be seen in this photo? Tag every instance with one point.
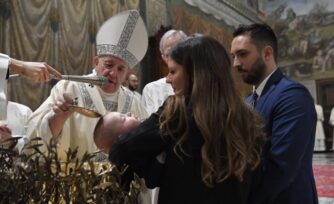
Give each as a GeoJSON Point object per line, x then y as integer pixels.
{"type": "Point", "coordinates": [63, 103]}
{"type": "Point", "coordinates": [61, 112]}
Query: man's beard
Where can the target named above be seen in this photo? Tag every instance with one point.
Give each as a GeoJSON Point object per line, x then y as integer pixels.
{"type": "Point", "coordinates": [255, 73]}
{"type": "Point", "coordinates": [132, 88]}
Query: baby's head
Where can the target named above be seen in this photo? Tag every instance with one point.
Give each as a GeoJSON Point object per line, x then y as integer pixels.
{"type": "Point", "coordinates": [111, 126]}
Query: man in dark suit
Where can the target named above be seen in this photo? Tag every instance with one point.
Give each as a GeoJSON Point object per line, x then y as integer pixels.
{"type": "Point", "coordinates": [290, 117]}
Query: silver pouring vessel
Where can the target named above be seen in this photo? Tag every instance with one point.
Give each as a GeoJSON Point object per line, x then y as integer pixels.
{"type": "Point", "coordinates": [93, 80]}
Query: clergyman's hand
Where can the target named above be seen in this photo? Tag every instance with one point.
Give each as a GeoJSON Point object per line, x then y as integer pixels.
{"type": "Point", "coordinates": [35, 71]}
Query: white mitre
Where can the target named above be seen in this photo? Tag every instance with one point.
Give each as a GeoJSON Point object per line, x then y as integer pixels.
{"type": "Point", "coordinates": [124, 36]}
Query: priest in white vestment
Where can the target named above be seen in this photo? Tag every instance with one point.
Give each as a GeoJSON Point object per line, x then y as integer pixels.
{"type": "Point", "coordinates": [15, 124]}
{"type": "Point", "coordinates": [132, 84]}
{"type": "Point", "coordinates": [320, 138]}
{"type": "Point", "coordinates": [156, 92]}
{"type": "Point", "coordinates": [121, 43]}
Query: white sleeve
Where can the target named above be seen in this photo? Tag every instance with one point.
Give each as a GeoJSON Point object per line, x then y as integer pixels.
{"type": "Point", "coordinates": [147, 100]}
{"type": "Point", "coordinates": [26, 113]}
{"type": "Point", "coordinates": [4, 61]}
{"type": "Point", "coordinates": [321, 114]}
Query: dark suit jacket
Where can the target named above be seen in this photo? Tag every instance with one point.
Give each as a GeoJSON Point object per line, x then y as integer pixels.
{"type": "Point", "coordinates": [290, 121]}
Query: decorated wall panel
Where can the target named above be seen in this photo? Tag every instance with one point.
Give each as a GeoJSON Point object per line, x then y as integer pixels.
{"type": "Point", "coordinates": [190, 22]}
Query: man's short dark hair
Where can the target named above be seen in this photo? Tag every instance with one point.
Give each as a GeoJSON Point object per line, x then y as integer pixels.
{"type": "Point", "coordinates": [260, 34]}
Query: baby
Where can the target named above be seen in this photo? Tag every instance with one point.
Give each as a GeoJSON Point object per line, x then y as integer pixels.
{"type": "Point", "coordinates": [111, 126]}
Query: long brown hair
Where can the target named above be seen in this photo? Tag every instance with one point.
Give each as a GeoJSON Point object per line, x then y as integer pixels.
{"type": "Point", "coordinates": [231, 130]}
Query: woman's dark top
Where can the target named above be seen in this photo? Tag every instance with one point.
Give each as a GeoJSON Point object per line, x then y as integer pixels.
{"type": "Point", "coordinates": [179, 180]}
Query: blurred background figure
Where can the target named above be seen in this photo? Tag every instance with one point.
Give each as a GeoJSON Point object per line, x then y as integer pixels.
{"type": "Point", "coordinates": [319, 143]}
{"type": "Point", "coordinates": [331, 121]}
{"type": "Point", "coordinates": [318, 60]}
{"type": "Point", "coordinates": [132, 81]}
